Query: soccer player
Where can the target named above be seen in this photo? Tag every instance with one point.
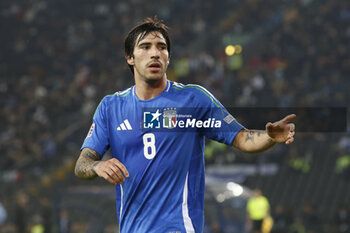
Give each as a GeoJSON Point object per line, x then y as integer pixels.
{"type": "Point", "coordinates": [157, 163]}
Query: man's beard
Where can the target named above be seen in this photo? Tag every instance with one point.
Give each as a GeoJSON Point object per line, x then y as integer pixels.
{"type": "Point", "coordinates": [153, 81]}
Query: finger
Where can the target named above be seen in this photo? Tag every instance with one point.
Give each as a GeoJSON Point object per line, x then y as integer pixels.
{"type": "Point", "coordinates": [120, 176]}
{"type": "Point", "coordinates": [109, 179]}
{"type": "Point", "coordinates": [289, 118]}
{"type": "Point", "coordinates": [117, 170]}
{"type": "Point", "coordinates": [121, 167]}
{"type": "Point", "coordinates": [291, 126]}
{"type": "Point", "coordinates": [116, 174]}
{"type": "Point", "coordinates": [291, 134]}
{"type": "Point", "coordinates": [109, 176]}
{"type": "Point", "coordinates": [289, 141]}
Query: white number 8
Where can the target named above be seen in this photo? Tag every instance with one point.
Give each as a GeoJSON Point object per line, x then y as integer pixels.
{"type": "Point", "coordinates": [149, 141]}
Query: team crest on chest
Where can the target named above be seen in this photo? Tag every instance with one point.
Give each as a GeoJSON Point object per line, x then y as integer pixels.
{"type": "Point", "coordinates": [169, 118]}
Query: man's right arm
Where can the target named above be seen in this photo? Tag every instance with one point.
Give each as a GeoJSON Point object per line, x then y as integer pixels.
{"type": "Point", "coordinates": [85, 166]}
{"type": "Point", "coordinates": [90, 165]}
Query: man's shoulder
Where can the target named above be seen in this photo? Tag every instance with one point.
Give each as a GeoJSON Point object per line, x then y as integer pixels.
{"type": "Point", "coordinates": [190, 89]}
{"type": "Point", "coordinates": [119, 95]}
{"type": "Point", "coordinates": [197, 91]}
{"type": "Point", "coordinates": [114, 99]}
{"type": "Point", "coordinates": [123, 93]}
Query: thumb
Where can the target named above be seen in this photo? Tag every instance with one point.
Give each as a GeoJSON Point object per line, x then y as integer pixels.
{"type": "Point", "coordinates": [269, 126]}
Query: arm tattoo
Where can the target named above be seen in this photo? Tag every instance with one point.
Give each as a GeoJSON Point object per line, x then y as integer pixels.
{"type": "Point", "coordinates": [86, 163]}
{"type": "Point", "coordinates": [251, 134]}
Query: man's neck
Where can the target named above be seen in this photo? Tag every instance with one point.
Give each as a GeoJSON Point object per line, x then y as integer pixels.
{"type": "Point", "coordinates": [148, 90]}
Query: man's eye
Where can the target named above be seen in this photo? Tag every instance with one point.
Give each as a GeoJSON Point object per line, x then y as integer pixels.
{"type": "Point", "coordinates": [162, 48]}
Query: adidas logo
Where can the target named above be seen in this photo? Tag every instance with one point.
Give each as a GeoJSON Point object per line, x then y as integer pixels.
{"type": "Point", "coordinates": [125, 126]}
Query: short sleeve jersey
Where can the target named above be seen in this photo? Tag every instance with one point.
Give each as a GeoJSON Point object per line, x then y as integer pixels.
{"type": "Point", "coordinates": [161, 143]}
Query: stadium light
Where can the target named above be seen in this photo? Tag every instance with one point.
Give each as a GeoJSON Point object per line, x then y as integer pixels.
{"type": "Point", "coordinates": [230, 50]}
{"type": "Point", "coordinates": [220, 198]}
{"type": "Point", "coordinates": [238, 49]}
{"type": "Point", "coordinates": [236, 189]}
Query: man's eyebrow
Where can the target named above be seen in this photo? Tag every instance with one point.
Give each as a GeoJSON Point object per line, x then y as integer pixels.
{"type": "Point", "coordinates": [149, 43]}
{"type": "Point", "coordinates": [144, 43]}
{"type": "Point", "coordinates": [162, 43]}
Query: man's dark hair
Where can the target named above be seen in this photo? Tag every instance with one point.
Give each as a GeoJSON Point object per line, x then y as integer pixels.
{"type": "Point", "coordinates": [147, 26]}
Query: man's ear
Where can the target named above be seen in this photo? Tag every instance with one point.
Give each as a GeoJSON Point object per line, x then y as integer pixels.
{"type": "Point", "coordinates": [130, 60]}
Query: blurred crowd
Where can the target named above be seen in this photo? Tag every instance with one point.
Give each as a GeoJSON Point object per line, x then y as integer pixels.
{"type": "Point", "coordinates": [59, 58]}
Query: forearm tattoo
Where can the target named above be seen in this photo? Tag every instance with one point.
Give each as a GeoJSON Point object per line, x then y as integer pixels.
{"type": "Point", "coordinates": [86, 164]}
{"type": "Point", "coordinates": [252, 134]}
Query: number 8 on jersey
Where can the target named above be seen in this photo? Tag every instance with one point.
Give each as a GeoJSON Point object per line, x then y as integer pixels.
{"type": "Point", "coordinates": [149, 147]}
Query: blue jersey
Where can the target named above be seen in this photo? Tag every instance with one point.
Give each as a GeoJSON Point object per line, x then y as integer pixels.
{"type": "Point", "coordinates": [161, 143]}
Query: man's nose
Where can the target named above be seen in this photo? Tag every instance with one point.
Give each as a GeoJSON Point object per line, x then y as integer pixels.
{"type": "Point", "coordinates": [155, 53]}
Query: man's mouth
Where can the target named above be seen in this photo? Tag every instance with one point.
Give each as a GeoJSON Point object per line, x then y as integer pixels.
{"type": "Point", "coordinates": [155, 66]}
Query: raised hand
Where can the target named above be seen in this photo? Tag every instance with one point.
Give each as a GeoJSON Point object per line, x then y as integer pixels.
{"type": "Point", "coordinates": [282, 130]}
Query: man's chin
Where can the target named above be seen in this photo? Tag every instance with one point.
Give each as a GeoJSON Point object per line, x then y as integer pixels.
{"type": "Point", "coordinates": [154, 79]}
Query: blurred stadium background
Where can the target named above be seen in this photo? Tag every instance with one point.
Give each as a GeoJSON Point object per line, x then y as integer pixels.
{"type": "Point", "coordinates": [59, 58]}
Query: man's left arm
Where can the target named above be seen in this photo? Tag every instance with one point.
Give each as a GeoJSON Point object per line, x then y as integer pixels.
{"type": "Point", "coordinates": [253, 141]}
